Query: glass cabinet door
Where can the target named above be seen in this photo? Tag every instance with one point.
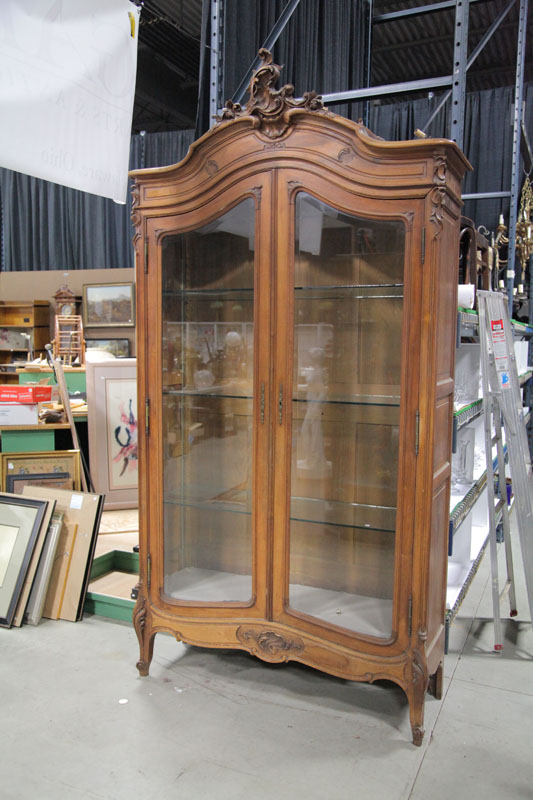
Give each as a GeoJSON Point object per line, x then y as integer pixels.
{"type": "Point", "coordinates": [208, 346]}
{"type": "Point", "coordinates": [348, 307]}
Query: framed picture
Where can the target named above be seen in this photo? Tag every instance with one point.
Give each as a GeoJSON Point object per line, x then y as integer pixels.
{"type": "Point", "coordinates": [120, 348]}
{"type": "Point", "coordinates": [39, 588]}
{"type": "Point", "coordinates": [57, 468]}
{"type": "Point", "coordinates": [20, 522]}
{"type": "Point", "coordinates": [107, 305]}
{"type": "Point", "coordinates": [112, 428]}
{"type": "Point", "coordinates": [71, 567]}
{"type": "Point", "coordinates": [61, 480]}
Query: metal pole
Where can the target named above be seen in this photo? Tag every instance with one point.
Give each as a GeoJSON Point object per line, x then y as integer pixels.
{"type": "Point", "coordinates": [517, 128]}
{"type": "Point", "coordinates": [215, 65]}
{"type": "Point", "coordinates": [477, 50]}
{"type": "Point", "coordinates": [462, 8]}
{"type": "Point", "coordinates": [368, 55]}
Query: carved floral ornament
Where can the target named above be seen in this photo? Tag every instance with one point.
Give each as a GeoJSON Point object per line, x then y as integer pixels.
{"type": "Point", "coordinates": [270, 643]}
{"type": "Point", "coordinates": [269, 106]}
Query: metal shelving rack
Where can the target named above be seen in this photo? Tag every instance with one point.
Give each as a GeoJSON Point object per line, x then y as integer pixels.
{"type": "Point", "coordinates": [455, 82]}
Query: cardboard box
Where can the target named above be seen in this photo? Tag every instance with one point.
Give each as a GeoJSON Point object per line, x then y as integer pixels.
{"type": "Point", "coordinates": [19, 414]}
{"type": "Point", "coordinates": [25, 394]}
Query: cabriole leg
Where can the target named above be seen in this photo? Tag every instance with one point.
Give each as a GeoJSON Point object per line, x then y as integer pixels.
{"type": "Point", "coordinates": [144, 635]}
{"type": "Point", "coordinates": [416, 695]}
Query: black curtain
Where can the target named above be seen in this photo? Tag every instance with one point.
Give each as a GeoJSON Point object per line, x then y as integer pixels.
{"type": "Point", "coordinates": [488, 141]}
{"type": "Point", "coordinates": [322, 48]}
{"type": "Point", "coordinates": [48, 226]}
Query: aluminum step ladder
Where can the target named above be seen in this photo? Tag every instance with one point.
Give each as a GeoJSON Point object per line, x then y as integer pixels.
{"type": "Point", "coordinates": [502, 402]}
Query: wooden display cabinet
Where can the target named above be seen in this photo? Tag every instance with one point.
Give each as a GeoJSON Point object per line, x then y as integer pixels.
{"type": "Point", "coordinates": [297, 289]}
{"type": "Point", "coordinates": [24, 329]}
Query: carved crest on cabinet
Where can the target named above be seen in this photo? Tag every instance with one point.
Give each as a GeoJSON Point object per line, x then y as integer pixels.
{"type": "Point", "coordinates": [268, 105]}
{"type": "Point", "coordinates": [211, 167]}
{"type": "Point", "coordinates": [269, 643]}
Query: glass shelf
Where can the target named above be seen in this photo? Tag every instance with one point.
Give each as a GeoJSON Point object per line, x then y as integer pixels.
{"type": "Point", "coordinates": [209, 505]}
{"type": "Point", "coordinates": [351, 400]}
{"type": "Point", "coordinates": [351, 286]}
{"type": "Point", "coordinates": [373, 253]}
{"type": "Point", "coordinates": [345, 515]}
{"type": "Point", "coordinates": [213, 392]}
{"type": "Point", "coordinates": [230, 293]}
{"type": "Point", "coordinates": [378, 291]}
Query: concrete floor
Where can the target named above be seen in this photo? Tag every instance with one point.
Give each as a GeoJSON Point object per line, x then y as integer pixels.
{"type": "Point", "coordinates": [78, 721]}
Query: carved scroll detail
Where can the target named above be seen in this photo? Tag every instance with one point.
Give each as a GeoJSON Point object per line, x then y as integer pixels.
{"type": "Point", "coordinates": [437, 199]}
{"type": "Point", "coordinates": [268, 105]}
{"type": "Point", "coordinates": [257, 192]}
{"type": "Point", "coordinates": [269, 643]}
{"type": "Point", "coordinates": [211, 167]}
{"type": "Point", "coordinates": [422, 635]}
{"type": "Point", "coordinates": [409, 216]}
{"type": "Point", "coordinates": [439, 169]}
{"type": "Point", "coordinates": [135, 212]}
{"type": "Point", "coordinates": [139, 614]}
{"type": "Point", "coordinates": [346, 155]}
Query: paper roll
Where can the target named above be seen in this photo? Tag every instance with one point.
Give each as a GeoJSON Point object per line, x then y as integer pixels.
{"type": "Point", "coordinates": [466, 295]}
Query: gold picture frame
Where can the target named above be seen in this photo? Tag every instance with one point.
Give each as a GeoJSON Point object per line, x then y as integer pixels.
{"type": "Point", "coordinates": [59, 468]}
{"type": "Point", "coordinates": [108, 305]}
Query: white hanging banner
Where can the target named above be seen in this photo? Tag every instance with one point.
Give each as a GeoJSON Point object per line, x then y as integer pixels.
{"type": "Point", "coordinates": [67, 84]}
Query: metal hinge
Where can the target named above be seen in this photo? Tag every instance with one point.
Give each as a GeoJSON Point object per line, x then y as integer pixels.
{"type": "Point", "coordinates": [417, 432]}
{"type": "Point", "coordinates": [149, 571]}
{"type": "Point", "coordinates": [146, 256]}
{"type": "Point", "coordinates": [147, 416]}
{"type": "Point", "coordinates": [410, 616]}
{"type": "Point", "coordinates": [423, 245]}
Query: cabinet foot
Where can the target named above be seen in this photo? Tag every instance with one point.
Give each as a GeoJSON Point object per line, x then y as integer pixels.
{"type": "Point", "coordinates": [435, 683]}
{"type": "Point", "coordinates": [418, 735]}
{"type": "Point", "coordinates": [144, 635]}
{"type": "Point", "coordinates": [416, 695]}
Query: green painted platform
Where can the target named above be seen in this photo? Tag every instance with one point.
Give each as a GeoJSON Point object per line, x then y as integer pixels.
{"type": "Point", "coordinates": [103, 605]}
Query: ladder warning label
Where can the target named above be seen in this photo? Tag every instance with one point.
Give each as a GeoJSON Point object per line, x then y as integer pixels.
{"type": "Point", "coordinates": [501, 354]}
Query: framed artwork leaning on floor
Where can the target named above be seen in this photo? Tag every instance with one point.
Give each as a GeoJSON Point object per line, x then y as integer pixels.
{"type": "Point", "coordinates": [20, 522]}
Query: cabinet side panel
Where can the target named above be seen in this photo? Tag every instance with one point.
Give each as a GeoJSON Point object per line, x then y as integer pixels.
{"type": "Point", "coordinates": [438, 561]}
{"type": "Point", "coordinates": [445, 326]}
{"type": "Point", "coordinates": [447, 303]}
{"type": "Point", "coordinates": [441, 451]}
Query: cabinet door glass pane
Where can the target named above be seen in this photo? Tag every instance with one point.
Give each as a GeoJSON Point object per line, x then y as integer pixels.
{"type": "Point", "coordinates": [348, 304]}
{"type": "Point", "coordinates": [208, 293]}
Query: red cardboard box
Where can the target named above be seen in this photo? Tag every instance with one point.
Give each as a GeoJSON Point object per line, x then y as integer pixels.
{"type": "Point", "coordinates": [25, 394]}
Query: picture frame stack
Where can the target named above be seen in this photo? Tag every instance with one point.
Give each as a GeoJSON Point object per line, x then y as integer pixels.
{"type": "Point", "coordinates": [47, 542]}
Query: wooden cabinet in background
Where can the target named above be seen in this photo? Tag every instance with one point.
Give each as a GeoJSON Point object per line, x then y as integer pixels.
{"type": "Point", "coordinates": [297, 289]}
{"type": "Point", "coordinates": [24, 330]}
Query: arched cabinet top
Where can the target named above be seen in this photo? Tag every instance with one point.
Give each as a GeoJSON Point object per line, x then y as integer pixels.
{"type": "Point", "coordinates": [274, 131]}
